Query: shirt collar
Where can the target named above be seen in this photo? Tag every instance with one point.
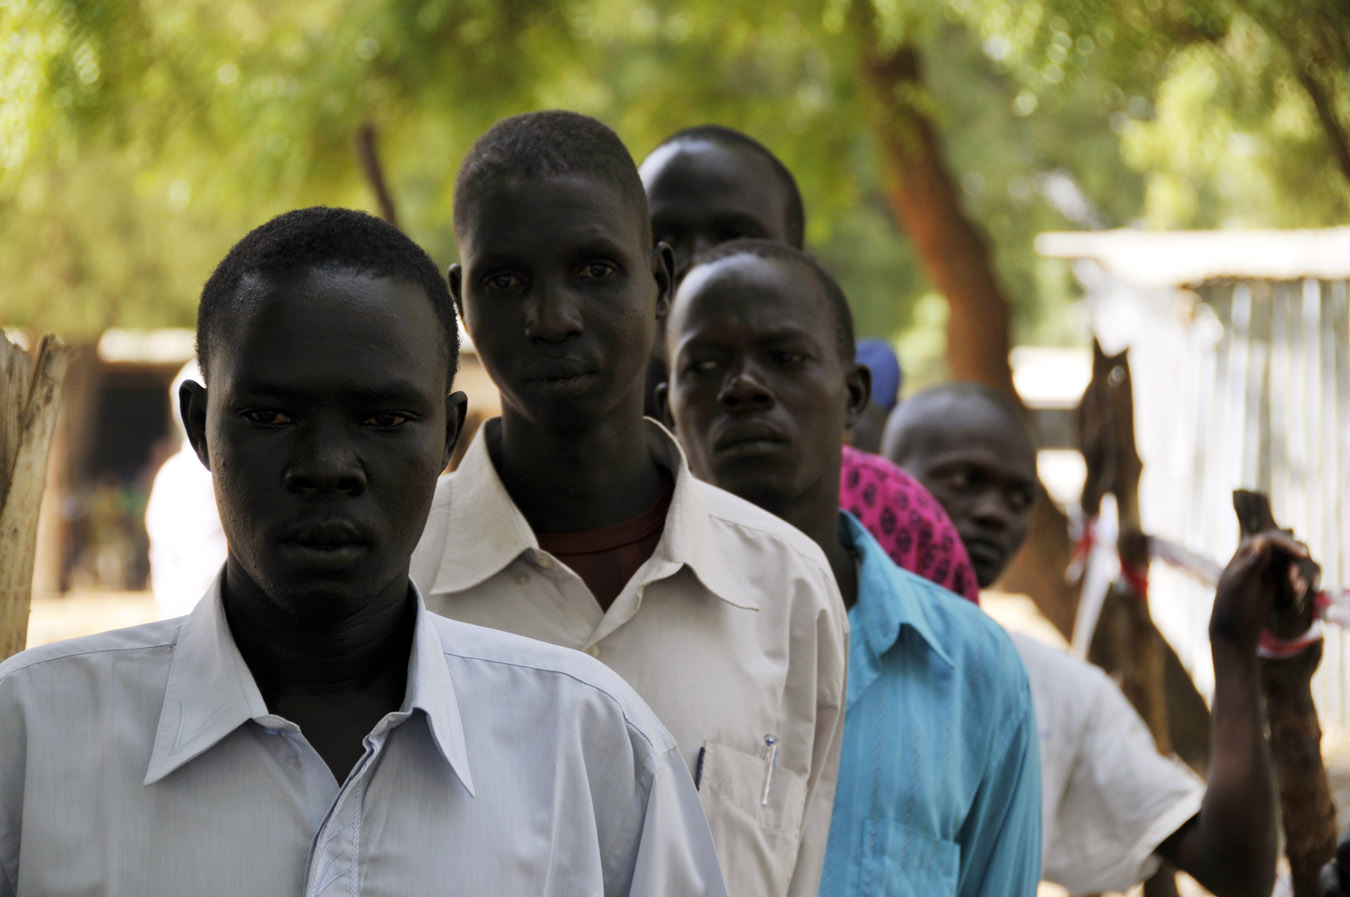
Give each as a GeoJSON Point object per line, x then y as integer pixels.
{"type": "Point", "coordinates": [211, 692]}
{"type": "Point", "coordinates": [487, 531]}
{"type": "Point", "coordinates": [888, 600]}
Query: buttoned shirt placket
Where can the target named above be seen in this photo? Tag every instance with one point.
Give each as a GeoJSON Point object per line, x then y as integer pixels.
{"type": "Point", "coordinates": [332, 867]}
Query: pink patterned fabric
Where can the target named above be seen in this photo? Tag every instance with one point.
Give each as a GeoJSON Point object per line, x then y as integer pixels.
{"type": "Point", "coordinates": [908, 522]}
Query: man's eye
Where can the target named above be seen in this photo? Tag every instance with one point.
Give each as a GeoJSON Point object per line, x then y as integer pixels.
{"type": "Point", "coordinates": [504, 281]}
{"type": "Point", "coordinates": [788, 359]}
{"type": "Point", "coordinates": [596, 270]}
{"type": "Point", "coordinates": [386, 420]}
{"type": "Point", "coordinates": [266, 417]}
{"type": "Point", "coordinates": [960, 480]}
{"type": "Point", "coordinates": [701, 366]}
{"type": "Point", "coordinates": [1020, 499]}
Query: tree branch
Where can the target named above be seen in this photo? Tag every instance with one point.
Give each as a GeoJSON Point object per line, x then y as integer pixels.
{"type": "Point", "coordinates": [1326, 114]}
{"type": "Point", "coordinates": [368, 155]}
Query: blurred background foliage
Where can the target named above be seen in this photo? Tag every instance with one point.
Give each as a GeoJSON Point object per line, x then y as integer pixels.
{"type": "Point", "coordinates": [139, 139]}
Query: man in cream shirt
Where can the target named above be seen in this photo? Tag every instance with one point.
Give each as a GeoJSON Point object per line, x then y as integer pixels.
{"type": "Point", "coordinates": [574, 520]}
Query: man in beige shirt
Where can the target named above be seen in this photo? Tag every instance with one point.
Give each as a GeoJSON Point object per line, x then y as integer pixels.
{"type": "Point", "coordinates": [574, 520]}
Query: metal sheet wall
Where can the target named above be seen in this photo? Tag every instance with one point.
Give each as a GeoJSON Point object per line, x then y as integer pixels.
{"type": "Point", "coordinates": [1239, 384]}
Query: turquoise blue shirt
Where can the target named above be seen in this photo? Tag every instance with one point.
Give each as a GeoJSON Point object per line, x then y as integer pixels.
{"type": "Point", "coordinates": [939, 780]}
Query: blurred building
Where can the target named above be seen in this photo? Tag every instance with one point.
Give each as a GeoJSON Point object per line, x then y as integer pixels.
{"type": "Point", "coordinates": [1240, 355]}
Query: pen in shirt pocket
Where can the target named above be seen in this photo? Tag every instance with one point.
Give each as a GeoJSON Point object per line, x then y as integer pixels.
{"type": "Point", "coordinates": [770, 758]}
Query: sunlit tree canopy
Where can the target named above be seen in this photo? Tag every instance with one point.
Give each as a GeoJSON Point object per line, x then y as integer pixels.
{"type": "Point", "coordinates": [138, 140]}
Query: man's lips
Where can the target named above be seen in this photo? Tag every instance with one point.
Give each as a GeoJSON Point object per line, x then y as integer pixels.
{"type": "Point", "coordinates": [324, 534]}
{"type": "Point", "coordinates": [984, 548]}
{"type": "Point", "coordinates": [749, 436]}
{"type": "Point", "coordinates": [330, 546]}
{"type": "Point", "coordinates": [556, 371]}
{"type": "Point", "coordinates": [560, 379]}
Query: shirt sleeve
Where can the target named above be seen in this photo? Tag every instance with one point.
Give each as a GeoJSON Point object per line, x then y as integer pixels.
{"type": "Point", "coordinates": [675, 854]}
{"type": "Point", "coordinates": [832, 654]}
{"type": "Point", "coordinates": [1001, 838]}
{"type": "Point", "coordinates": [1121, 800]}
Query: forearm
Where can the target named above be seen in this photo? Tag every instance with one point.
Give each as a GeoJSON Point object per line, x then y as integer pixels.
{"type": "Point", "coordinates": [1231, 847]}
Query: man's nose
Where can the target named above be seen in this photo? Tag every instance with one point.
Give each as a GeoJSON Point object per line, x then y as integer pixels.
{"type": "Point", "coordinates": [325, 463]}
{"type": "Point", "coordinates": [745, 390]}
{"type": "Point", "coordinates": [991, 510]}
{"type": "Point", "coordinates": [553, 315]}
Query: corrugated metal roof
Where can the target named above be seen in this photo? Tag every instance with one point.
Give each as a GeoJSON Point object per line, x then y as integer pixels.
{"type": "Point", "coordinates": [1183, 258]}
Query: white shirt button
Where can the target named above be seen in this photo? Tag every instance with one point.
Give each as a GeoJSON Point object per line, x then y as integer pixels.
{"type": "Point", "coordinates": [544, 561]}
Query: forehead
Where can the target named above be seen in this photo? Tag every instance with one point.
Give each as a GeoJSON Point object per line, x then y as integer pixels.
{"type": "Point", "coordinates": [329, 329]}
{"type": "Point", "coordinates": [550, 213]}
{"type": "Point", "coordinates": [704, 177]}
{"type": "Point", "coordinates": [753, 297]}
{"type": "Point", "coordinates": [969, 430]}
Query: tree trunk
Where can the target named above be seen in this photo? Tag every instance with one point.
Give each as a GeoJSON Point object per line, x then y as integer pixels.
{"type": "Point", "coordinates": [924, 199]}
{"type": "Point", "coordinates": [1325, 107]}
{"type": "Point", "coordinates": [30, 394]}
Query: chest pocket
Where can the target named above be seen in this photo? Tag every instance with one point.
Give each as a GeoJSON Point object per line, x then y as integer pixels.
{"type": "Point", "coordinates": [901, 861]}
{"type": "Point", "coordinates": [756, 843]}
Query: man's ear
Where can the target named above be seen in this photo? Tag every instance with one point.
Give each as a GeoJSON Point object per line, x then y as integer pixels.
{"type": "Point", "coordinates": [661, 395]}
{"type": "Point", "coordinates": [663, 271]}
{"type": "Point", "coordinates": [192, 408]}
{"type": "Point", "coordinates": [455, 275]}
{"type": "Point", "coordinates": [858, 381]}
{"type": "Point", "coordinates": [456, 406]}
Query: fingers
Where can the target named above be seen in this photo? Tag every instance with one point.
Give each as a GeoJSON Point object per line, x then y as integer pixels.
{"type": "Point", "coordinates": [1257, 552]}
{"type": "Point", "coordinates": [1278, 541]}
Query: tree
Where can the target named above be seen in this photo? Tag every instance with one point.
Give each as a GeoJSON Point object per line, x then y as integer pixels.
{"type": "Point", "coordinates": [135, 127]}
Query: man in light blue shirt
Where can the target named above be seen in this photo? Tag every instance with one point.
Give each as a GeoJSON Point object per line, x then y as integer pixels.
{"type": "Point", "coordinates": [310, 728]}
{"type": "Point", "coordinates": [939, 789]}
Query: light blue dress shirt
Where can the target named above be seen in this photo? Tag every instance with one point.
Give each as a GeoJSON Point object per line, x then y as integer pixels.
{"type": "Point", "coordinates": [144, 761]}
{"type": "Point", "coordinates": [939, 782]}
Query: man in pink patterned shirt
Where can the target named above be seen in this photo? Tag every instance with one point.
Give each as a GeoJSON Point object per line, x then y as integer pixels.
{"type": "Point", "coordinates": [906, 520]}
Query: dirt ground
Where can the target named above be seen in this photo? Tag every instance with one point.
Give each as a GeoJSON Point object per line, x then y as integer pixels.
{"type": "Point", "coordinates": [83, 613]}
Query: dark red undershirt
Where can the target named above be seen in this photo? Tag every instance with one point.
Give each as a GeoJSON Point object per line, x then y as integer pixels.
{"type": "Point", "coordinates": [607, 558]}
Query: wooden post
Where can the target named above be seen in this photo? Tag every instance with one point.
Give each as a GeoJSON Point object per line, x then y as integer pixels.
{"type": "Point", "coordinates": [1125, 641]}
{"type": "Point", "coordinates": [1306, 810]}
{"type": "Point", "coordinates": [30, 394]}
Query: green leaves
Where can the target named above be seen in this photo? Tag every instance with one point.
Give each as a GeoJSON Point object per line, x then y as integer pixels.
{"type": "Point", "coordinates": [138, 139]}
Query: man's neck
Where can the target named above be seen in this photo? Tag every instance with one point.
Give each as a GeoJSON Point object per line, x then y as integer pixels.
{"type": "Point", "coordinates": [293, 655]}
{"type": "Point", "coordinates": [580, 480]}
{"type": "Point", "coordinates": [817, 515]}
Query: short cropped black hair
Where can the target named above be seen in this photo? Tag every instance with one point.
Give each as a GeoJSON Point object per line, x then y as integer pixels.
{"type": "Point", "coordinates": [322, 237]}
{"type": "Point", "coordinates": [796, 211]}
{"type": "Point", "coordinates": [775, 251]}
{"type": "Point", "coordinates": [547, 144]}
{"type": "Point", "coordinates": [901, 436]}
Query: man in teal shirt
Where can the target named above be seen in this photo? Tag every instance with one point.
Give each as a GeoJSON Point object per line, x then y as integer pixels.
{"type": "Point", "coordinates": [939, 788]}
